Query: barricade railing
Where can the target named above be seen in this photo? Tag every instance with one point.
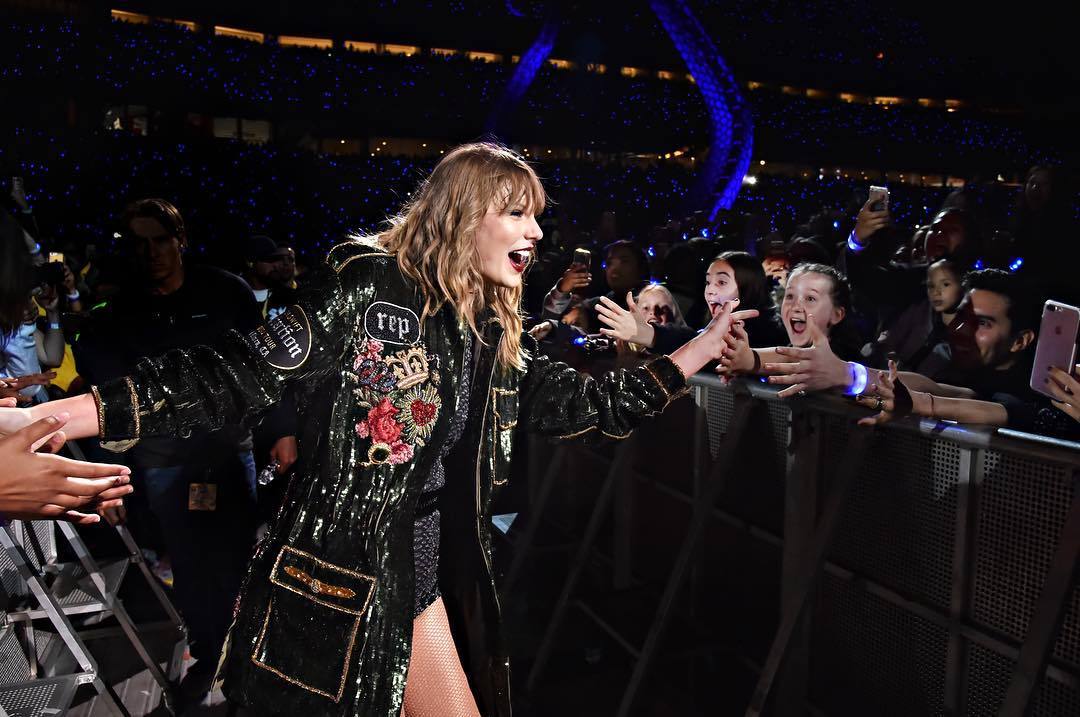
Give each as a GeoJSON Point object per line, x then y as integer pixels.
{"type": "Point", "coordinates": [925, 567]}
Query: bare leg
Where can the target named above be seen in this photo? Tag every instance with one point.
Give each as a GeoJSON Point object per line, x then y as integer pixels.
{"type": "Point", "coordinates": [436, 686]}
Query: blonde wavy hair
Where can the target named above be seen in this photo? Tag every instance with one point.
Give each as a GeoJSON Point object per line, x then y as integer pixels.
{"type": "Point", "coordinates": [434, 237]}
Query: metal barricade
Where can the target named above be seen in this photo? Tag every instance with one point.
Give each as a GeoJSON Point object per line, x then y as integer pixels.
{"type": "Point", "coordinates": [927, 568]}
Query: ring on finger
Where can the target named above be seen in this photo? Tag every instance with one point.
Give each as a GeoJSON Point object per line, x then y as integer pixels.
{"type": "Point", "coordinates": [880, 404]}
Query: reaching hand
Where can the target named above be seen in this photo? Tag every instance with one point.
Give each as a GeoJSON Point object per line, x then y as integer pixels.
{"type": "Point", "coordinates": [541, 330]}
{"type": "Point", "coordinates": [869, 222]}
{"type": "Point", "coordinates": [10, 387]}
{"type": "Point", "coordinates": [576, 277]}
{"type": "Point", "coordinates": [724, 318]}
{"type": "Point", "coordinates": [12, 419]}
{"type": "Point", "coordinates": [738, 356]}
{"type": "Point", "coordinates": [36, 486]}
{"type": "Point", "coordinates": [625, 325]}
{"type": "Point", "coordinates": [69, 280]}
{"type": "Point", "coordinates": [882, 398]}
{"type": "Point", "coordinates": [815, 368]}
{"type": "Point", "coordinates": [1066, 389]}
{"type": "Point", "coordinates": [284, 451]}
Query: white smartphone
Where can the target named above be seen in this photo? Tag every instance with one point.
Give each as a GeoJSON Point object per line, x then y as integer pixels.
{"type": "Point", "coordinates": [1057, 343]}
{"type": "Point", "coordinates": [879, 198]}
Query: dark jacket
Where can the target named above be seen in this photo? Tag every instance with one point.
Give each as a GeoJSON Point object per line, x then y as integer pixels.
{"type": "Point", "coordinates": [324, 620]}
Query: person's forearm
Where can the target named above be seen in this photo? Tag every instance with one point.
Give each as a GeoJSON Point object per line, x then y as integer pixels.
{"type": "Point", "coordinates": [918, 382]}
{"type": "Point", "coordinates": [84, 415]}
{"type": "Point", "coordinates": [961, 410]}
{"type": "Point", "coordinates": [691, 357]}
{"type": "Point", "coordinates": [52, 344]}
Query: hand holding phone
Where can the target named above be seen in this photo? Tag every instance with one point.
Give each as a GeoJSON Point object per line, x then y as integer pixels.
{"type": "Point", "coordinates": [1056, 347]}
{"type": "Point", "coordinates": [879, 199]}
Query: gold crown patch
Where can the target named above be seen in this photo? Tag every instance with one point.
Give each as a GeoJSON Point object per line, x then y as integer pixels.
{"type": "Point", "coordinates": [410, 366]}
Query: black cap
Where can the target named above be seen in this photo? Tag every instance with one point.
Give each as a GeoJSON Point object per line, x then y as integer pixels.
{"type": "Point", "coordinates": [259, 248]}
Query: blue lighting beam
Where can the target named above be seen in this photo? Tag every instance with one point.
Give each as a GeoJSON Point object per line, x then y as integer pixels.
{"type": "Point", "coordinates": [728, 160]}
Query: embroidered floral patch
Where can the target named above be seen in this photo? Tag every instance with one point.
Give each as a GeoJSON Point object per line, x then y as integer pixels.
{"type": "Point", "coordinates": [400, 392]}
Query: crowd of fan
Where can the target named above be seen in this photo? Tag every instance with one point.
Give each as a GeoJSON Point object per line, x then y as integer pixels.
{"type": "Point", "coordinates": [901, 317]}
{"type": "Point", "coordinates": [169, 67]}
{"type": "Point", "coordinates": [939, 319]}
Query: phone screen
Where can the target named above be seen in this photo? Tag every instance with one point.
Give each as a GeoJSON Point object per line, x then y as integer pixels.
{"type": "Point", "coordinates": [55, 256]}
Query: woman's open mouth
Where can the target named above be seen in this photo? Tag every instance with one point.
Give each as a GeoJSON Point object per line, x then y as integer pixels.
{"type": "Point", "coordinates": [798, 326]}
{"type": "Point", "coordinates": [519, 259]}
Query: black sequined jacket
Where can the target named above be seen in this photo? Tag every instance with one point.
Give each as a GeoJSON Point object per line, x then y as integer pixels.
{"type": "Point", "coordinates": [323, 622]}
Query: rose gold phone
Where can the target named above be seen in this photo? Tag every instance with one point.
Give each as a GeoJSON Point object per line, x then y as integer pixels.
{"type": "Point", "coordinates": [1057, 343]}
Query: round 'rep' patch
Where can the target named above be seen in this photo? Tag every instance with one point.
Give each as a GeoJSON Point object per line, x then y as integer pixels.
{"type": "Point", "coordinates": [284, 342]}
{"type": "Point", "coordinates": [392, 324]}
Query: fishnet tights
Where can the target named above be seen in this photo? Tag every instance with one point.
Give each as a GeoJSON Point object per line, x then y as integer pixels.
{"type": "Point", "coordinates": [436, 684]}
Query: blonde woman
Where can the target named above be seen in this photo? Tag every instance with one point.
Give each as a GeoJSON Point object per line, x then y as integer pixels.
{"type": "Point", "coordinates": [372, 593]}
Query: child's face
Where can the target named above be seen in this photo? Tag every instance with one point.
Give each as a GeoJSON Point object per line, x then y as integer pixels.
{"type": "Point", "coordinates": [943, 289]}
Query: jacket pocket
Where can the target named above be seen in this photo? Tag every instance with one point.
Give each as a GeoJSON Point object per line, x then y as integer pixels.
{"type": "Point", "coordinates": [312, 621]}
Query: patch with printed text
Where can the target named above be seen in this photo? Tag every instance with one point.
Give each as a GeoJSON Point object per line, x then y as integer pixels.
{"type": "Point", "coordinates": [284, 341]}
{"type": "Point", "coordinates": [392, 324]}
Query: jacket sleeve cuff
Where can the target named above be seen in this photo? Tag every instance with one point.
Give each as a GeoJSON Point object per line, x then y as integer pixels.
{"type": "Point", "coordinates": [119, 423]}
{"type": "Point", "coordinates": [668, 376]}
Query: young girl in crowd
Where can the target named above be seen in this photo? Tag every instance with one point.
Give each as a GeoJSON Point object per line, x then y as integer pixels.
{"type": "Point", "coordinates": [374, 588]}
{"type": "Point", "coordinates": [732, 275]}
{"type": "Point", "coordinates": [917, 339]}
{"type": "Point", "coordinates": [817, 301]}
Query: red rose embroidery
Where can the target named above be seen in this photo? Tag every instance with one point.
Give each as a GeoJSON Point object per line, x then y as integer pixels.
{"type": "Point", "coordinates": [422, 412]}
{"type": "Point", "coordinates": [381, 424]}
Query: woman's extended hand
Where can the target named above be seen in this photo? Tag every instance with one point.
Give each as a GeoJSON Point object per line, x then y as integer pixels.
{"type": "Point", "coordinates": [815, 368]}
{"type": "Point", "coordinates": [625, 325]}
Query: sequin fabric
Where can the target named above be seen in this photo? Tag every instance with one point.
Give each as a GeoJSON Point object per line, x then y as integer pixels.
{"type": "Point", "coordinates": [344, 650]}
{"type": "Point", "coordinates": [426, 527]}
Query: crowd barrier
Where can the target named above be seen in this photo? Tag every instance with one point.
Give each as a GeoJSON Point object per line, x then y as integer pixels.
{"type": "Point", "coordinates": [919, 568]}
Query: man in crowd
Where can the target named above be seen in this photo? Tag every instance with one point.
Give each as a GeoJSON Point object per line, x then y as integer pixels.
{"type": "Point", "coordinates": [270, 271]}
{"type": "Point", "coordinates": [200, 489]}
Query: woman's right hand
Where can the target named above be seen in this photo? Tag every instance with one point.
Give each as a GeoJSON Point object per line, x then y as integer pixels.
{"type": "Point", "coordinates": [576, 277]}
{"type": "Point", "coordinates": [625, 325]}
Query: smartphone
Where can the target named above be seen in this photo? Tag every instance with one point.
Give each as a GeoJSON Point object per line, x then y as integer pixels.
{"type": "Point", "coordinates": [879, 198]}
{"type": "Point", "coordinates": [1057, 343]}
{"type": "Point", "coordinates": [55, 256]}
{"type": "Point", "coordinates": [583, 257]}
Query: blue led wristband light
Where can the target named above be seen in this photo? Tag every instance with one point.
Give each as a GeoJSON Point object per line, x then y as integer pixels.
{"type": "Point", "coordinates": [858, 379]}
{"type": "Point", "coordinates": [853, 243]}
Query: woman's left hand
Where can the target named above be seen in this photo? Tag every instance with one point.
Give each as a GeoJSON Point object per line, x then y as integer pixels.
{"type": "Point", "coordinates": [1066, 389]}
{"type": "Point", "coordinates": [815, 368]}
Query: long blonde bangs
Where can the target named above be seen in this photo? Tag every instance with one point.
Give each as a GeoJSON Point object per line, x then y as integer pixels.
{"type": "Point", "coordinates": [433, 237]}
